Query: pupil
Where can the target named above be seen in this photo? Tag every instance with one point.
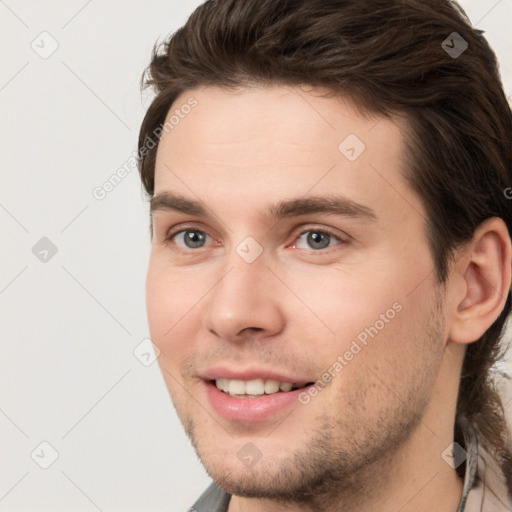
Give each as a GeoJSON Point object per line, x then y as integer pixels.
{"type": "Point", "coordinates": [194, 239]}
{"type": "Point", "coordinates": [316, 239]}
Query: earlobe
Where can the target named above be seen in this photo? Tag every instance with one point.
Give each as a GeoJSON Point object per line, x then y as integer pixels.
{"type": "Point", "coordinates": [485, 269]}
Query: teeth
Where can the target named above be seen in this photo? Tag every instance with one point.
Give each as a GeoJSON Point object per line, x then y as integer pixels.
{"type": "Point", "coordinates": [222, 384]}
{"type": "Point", "coordinates": [256, 387]}
{"type": "Point", "coordinates": [236, 387]}
{"type": "Point", "coordinates": [271, 386]}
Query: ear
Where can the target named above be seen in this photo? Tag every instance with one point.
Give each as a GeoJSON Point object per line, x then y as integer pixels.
{"type": "Point", "coordinates": [482, 274]}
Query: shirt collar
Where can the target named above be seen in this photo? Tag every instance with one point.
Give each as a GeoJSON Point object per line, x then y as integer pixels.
{"type": "Point", "coordinates": [485, 487]}
{"type": "Point", "coordinates": [471, 474]}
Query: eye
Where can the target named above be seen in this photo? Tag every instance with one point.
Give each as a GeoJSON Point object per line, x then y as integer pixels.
{"type": "Point", "coordinates": [317, 239]}
{"type": "Point", "coordinates": [188, 238]}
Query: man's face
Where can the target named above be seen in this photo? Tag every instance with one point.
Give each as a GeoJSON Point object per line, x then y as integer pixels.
{"type": "Point", "coordinates": [344, 299]}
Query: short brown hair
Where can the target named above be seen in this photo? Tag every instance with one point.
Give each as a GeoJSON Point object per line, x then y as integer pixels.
{"type": "Point", "coordinates": [388, 56]}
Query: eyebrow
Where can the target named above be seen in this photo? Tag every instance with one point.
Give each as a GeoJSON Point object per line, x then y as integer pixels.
{"type": "Point", "coordinates": [329, 204]}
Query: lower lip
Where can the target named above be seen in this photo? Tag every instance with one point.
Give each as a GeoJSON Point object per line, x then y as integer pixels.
{"type": "Point", "coordinates": [250, 409]}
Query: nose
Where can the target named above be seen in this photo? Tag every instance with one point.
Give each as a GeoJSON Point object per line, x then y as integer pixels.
{"type": "Point", "coordinates": [245, 302]}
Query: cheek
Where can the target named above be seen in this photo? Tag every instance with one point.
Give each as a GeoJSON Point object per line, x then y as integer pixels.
{"type": "Point", "coordinates": [164, 306]}
{"type": "Point", "coordinates": [158, 304]}
{"type": "Point", "coordinates": [170, 297]}
{"type": "Point", "coordinates": [342, 304]}
{"type": "Point", "coordinates": [367, 319]}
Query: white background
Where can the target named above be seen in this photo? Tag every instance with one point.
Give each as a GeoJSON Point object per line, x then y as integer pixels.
{"type": "Point", "coordinates": [68, 375]}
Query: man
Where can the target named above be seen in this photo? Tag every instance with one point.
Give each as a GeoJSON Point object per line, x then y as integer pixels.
{"type": "Point", "coordinates": [331, 258]}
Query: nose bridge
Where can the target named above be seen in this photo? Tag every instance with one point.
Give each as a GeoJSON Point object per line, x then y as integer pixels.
{"type": "Point", "coordinates": [244, 297]}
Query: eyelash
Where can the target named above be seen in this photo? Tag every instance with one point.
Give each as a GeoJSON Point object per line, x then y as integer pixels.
{"type": "Point", "coordinates": [169, 238]}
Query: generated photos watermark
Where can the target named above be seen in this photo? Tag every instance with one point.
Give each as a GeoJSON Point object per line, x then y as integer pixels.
{"type": "Point", "coordinates": [100, 192]}
{"type": "Point", "coordinates": [355, 348]}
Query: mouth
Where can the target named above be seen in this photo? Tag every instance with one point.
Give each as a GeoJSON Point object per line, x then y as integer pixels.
{"type": "Point", "coordinates": [256, 388]}
{"type": "Point", "coordinates": [254, 399]}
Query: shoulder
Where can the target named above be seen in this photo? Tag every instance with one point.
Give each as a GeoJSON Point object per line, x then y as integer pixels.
{"type": "Point", "coordinates": [489, 490]}
{"type": "Point", "coordinates": [213, 499]}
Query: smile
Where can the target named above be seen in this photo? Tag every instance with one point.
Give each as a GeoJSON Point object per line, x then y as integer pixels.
{"type": "Point", "coordinates": [255, 388]}
{"type": "Point", "coordinates": [253, 401]}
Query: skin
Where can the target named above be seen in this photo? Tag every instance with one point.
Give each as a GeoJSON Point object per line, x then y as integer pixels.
{"type": "Point", "coordinates": [372, 438]}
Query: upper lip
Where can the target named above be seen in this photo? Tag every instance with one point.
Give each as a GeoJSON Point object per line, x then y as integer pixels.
{"type": "Point", "coordinates": [223, 372]}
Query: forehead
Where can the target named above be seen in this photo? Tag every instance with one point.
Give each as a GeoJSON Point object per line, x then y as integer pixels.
{"type": "Point", "coordinates": [275, 114]}
{"type": "Point", "coordinates": [263, 144]}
